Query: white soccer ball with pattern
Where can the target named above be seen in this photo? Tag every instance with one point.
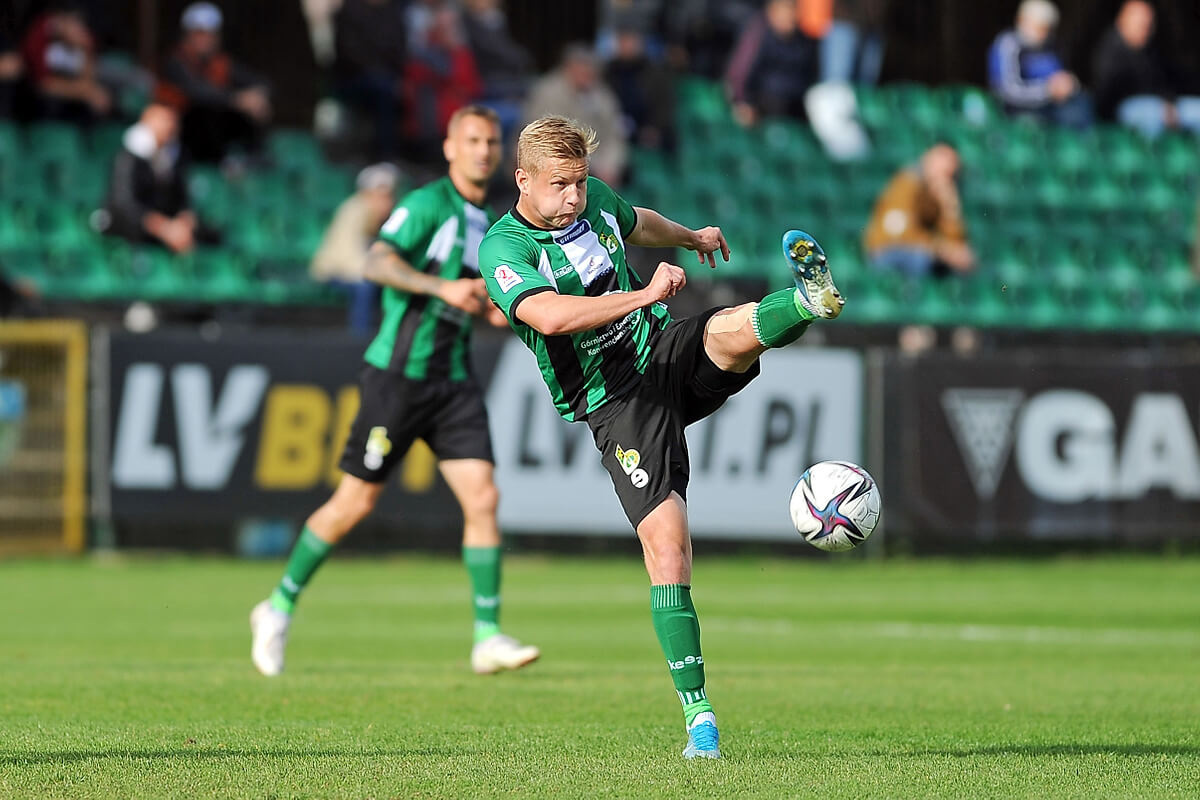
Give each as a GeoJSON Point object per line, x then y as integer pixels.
{"type": "Point", "coordinates": [835, 505]}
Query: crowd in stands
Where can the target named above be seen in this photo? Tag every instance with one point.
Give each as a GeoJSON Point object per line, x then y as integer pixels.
{"type": "Point", "coordinates": [397, 69]}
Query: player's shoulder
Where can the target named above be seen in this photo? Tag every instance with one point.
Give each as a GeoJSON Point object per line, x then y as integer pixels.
{"type": "Point", "coordinates": [428, 194]}
{"type": "Point", "coordinates": [507, 235]}
{"type": "Point", "coordinates": [598, 187]}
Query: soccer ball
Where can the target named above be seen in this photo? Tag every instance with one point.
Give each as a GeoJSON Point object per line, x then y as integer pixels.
{"type": "Point", "coordinates": [835, 505]}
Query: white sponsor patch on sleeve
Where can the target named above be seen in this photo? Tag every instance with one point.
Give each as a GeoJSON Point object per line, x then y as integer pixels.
{"type": "Point", "coordinates": [506, 277]}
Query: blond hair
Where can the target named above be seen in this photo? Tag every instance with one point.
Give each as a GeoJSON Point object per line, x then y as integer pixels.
{"type": "Point", "coordinates": [472, 110]}
{"type": "Point", "coordinates": [553, 137]}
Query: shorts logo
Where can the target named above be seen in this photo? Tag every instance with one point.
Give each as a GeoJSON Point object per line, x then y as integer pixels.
{"type": "Point", "coordinates": [378, 446]}
{"type": "Point", "coordinates": [506, 277]}
{"type": "Point", "coordinates": [609, 241]}
{"type": "Point", "coordinates": [629, 460]}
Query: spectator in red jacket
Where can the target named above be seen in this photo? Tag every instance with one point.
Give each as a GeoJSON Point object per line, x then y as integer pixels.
{"type": "Point", "coordinates": [441, 76]}
{"type": "Point", "coordinates": [60, 53]}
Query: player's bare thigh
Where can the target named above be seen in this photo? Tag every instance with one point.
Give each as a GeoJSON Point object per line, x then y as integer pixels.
{"type": "Point", "coordinates": [729, 338]}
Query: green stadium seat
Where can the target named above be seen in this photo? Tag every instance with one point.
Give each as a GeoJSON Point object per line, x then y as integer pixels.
{"type": "Point", "coordinates": [294, 149]}
{"type": "Point", "coordinates": [53, 142]}
{"type": "Point", "coordinates": [1178, 156]}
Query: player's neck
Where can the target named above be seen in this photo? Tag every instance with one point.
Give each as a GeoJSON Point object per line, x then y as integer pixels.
{"type": "Point", "coordinates": [475, 194]}
{"type": "Point", "coordinates": [528, 215]}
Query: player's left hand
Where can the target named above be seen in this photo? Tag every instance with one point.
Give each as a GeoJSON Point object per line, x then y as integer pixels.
{"type": "Point", "coordinates": [706, 242]}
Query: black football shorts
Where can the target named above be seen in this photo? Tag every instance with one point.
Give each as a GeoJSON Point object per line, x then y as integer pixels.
{"type": "Point", "coordinates": [640, 434]}
{"type": "Point", "coordinates": [394, 412]}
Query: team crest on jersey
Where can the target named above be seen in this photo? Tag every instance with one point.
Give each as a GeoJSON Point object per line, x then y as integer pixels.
{"type": "Point", "coordinates": [378, 446]}
{"type": "Point", "coordinates": [609, 241]}
{"type": "Point", "coordinates": [506, 278]}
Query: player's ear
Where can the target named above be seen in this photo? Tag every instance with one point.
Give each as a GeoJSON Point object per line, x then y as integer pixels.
{"type": "Point", "coordinates": [448, 149]}
{"type": "Point", "coordinates": [522, 178]}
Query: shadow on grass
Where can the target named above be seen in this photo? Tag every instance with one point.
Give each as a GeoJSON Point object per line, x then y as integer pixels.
{"type": "Point", "coordinates": [196, 753]}
{"type": "Point", "coordinates": [1054, 750]}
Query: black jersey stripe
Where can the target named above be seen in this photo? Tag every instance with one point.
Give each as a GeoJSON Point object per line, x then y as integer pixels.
{"type": "Point", "coordinates": [406, 331]}
{"type": "Point", "coordinates": [568, 372]}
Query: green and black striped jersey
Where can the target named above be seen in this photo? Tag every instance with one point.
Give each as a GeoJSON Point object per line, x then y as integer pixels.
{"type": "Point", "coordinates": [582, 370]}
{"type": "Point", "coordinates": [438, 232]}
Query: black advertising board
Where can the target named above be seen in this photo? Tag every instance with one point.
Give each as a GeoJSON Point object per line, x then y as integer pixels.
{"type": "Point", "coordinates": [249, 425]}
{"type": "Point", "coordinates": [1043, 445]}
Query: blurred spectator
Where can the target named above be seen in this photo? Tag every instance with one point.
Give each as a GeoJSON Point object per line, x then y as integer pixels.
{"type": "Point", "coordinates": [700, 34]}
{"type": "Point", "coordinates": [505, 65]}
{"type": "Point", "coordinates": [440, 74]}
{"type": "Point", "coordinates": [1133, 84]}
{"type": "Point", "coordinates": [11, 70]}
{"type": "Point", "coordinates": [916, 227]}
{"type": "Point", "coordinates": [60, 53]}
{"type": "Point", "coordinates": [852, 45]}
{"type": "Point", "coordinates": [147, 192]}
{"type": "Point", "coordinates": [645, 90]}
{"type": "Point", "coordinates": [640, 16]}
{"type": "Point", "coordinates": [1027, 75]}
{"type": "Point", "coordinates": [369, 67]}
{"type": "Point", "coordinates": [575, 90]}
{"type": "Point", "coordinates": [339, 259]}
{"type": "Point", "coordinates": [224, 105]}
{"type": "Point", "coordinates": [772, 67]}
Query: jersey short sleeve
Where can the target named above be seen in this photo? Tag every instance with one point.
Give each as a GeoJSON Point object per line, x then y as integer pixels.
{"type": "Point", "coordinates": [509, 266]}
{"type": "Point", "coordinates": [411, 223]}
{"type": "Point", "coordinates": [603, 194]}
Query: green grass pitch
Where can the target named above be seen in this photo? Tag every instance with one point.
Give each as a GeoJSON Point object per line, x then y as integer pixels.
{"type": "Point", "coordinates": [832, 679]}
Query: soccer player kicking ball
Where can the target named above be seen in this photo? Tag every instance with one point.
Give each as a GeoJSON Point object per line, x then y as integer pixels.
{"type": "Point", "coordinates": [612, 356]}
{"type": "Point", "coordinates": [417, 383]}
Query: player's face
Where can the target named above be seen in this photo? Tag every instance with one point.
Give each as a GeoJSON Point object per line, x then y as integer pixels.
{"type": "Point", "coordinates": [556, 193]}
{"type": "Point", "coordinates": [473, 148]}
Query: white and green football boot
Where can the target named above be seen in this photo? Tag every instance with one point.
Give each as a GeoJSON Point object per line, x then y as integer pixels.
{"type": "Point", "coordinates": [818, 295]}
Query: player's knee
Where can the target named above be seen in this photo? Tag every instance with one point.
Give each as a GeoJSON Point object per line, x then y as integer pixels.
{"type": "Point", "coordinates": [352, 507]}
{"type": "Point", "coordinates": [482, 503]}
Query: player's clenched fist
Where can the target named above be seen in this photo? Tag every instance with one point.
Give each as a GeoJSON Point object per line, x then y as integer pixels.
{"type": "Point", "coordinates": [466, 294]}
{"type": "Point", "coordinates": [668, 279]}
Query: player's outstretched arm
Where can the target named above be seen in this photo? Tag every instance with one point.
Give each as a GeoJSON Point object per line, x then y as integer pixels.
{"type": "Point", "coordinates": [655, 230]}
{"type": "Point", "coordinates": [553, 314]}
{"type": "Point", "coordinates": [385, 267]}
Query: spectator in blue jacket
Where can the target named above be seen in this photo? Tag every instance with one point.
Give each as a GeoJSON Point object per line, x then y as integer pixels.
{"type": "Point", "coordinates": [773, 65]}
{"type": "Point", "coordinates": [1028, 76]}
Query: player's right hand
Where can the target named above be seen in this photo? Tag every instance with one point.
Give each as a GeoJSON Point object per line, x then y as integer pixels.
{"type": "Point", "coordinates": [465, 294]}
{"type": "Point", "coordinates": [668, 279]}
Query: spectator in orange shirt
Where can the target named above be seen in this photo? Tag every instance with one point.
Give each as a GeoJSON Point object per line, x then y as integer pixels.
{"type": "Point", "coordinates": [916, 227]}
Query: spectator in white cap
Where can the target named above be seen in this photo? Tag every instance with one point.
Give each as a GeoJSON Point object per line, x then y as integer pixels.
{"type": "Point", "coordinates": [342, 253]}
{"type": "Point", "coordinates": [225, 106]}
{"type": "Point", "coordinates": [1028, 76]}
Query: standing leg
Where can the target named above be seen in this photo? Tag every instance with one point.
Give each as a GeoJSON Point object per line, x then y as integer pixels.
{"type": "Point", "coordinates": [269, 621]}
{"type": "Point", "coordinates": [667, 548]}
{"type": "Point", "coordinates": [471, 480]}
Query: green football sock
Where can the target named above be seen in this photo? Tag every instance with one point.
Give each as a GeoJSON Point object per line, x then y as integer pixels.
{"type": "Point", "coordinates": [779, 319]}
{"type": "Point", "coordinates": [483, 565]}
{"type": "Point", "coordinates": [308, 554]}
{"type": "Point", "coordinates": [678, 632]}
